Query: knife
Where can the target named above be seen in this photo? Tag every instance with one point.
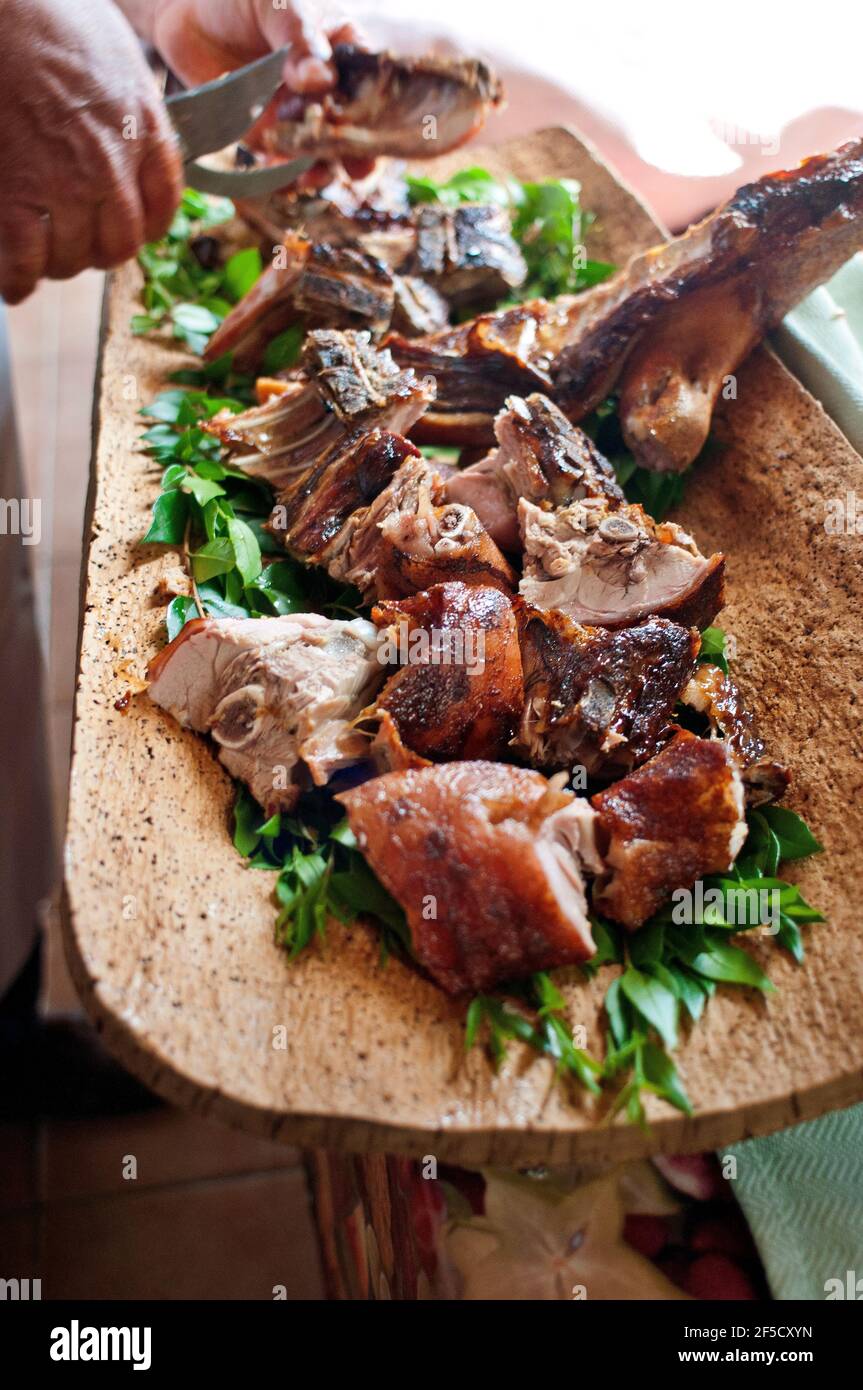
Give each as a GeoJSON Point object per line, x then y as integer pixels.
{"type": "Point", "coordinates": [210, 117]}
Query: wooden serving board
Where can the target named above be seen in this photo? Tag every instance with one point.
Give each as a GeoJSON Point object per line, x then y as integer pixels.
{"type": "Point", "coordinates": [170, 937]}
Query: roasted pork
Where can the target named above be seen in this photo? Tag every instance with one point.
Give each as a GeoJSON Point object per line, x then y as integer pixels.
{"type": "Point", "coordinates": [312, 284]}
{"type": "Point", "coordinates": [670, 328]}
{"type": "Point", "coordinates": [382, 104]}
{"type": "Point", "coordinates": [346, 386]}
{"type": "Point", "coordinates": [466, 252]}
{"type": "Point", "coordinates": [716, 695]}
{"type": "Point", "coordinates": [487, 862]}
{"type": "Point", "coordinates": [278, 695]}
{"type": "Point", "coordinates": [670, 822]}
{"type": "Point", "coordinates": [459, 692]}
{"type": "Point", "coordinates": [609, 566]}
{"type": "Point", "coordinates": [539, 456]}
{"type": "Point", "coordinates": [598, 699]}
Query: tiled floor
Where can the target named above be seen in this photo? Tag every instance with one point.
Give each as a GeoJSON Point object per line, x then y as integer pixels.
{"type": "Point", "coordinates": [162, 1204]}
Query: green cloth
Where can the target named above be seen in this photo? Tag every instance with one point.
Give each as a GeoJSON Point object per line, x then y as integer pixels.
{"type": "Point", "coordinates": [802, 1191]}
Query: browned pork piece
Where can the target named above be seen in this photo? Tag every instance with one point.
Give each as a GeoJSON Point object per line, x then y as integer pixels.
{"type": "Point", "coordinates": [466, 252]}
{"type": "Point", "coordinates": [476, 366]}
{"type": "Point", "coordinates": [675, 819]}
{"type": "Point", "coordinates": [609, 566]}
{"type": "Point", "coordinates": [278, 695]}
{"type": "Point", "coordinates": [459, 692]}
{"type": "Point", "coordinates": [345, 386]}
{"type": "Point", "coordinates": [316, 285]}
{"type": "Point", "coordinates": [373, 210]}
{"type": "Point", "coordinates": [487, 862]}
{"type": "Point", "coordinates": [540, 456]}
{"type": "Point", "coordinates": [382, 104]}
{"type": "Point", "coordinates": [680, 318]}
{"type": "Point", "coordinates": [713, 693]}
{"type": "Point", "coordinates": [603, 700]}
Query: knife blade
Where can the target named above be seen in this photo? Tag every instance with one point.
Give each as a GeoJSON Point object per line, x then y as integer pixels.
{"type": "Point", "coordinates": [209, 117]}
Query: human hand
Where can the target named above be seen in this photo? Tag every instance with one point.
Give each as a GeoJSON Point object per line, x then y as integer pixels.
{"type": "Point", "coordinates": [91, 169]}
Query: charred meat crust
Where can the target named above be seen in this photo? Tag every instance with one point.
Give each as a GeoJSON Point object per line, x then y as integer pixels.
{"type": "Point", "coordinates": [743, 267]}
{"type": "Point", "coordinates": [463, 695]}
{"type": "Point", "coordinates": [596, 698]}
{"type": "Point", "coordinates": [668, 823]}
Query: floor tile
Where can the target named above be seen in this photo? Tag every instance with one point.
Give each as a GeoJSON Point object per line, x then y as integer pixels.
{"type": "Point", "coordinates": [235, 1239]}
{"type": "Point", "coordinates": [85, 1158]}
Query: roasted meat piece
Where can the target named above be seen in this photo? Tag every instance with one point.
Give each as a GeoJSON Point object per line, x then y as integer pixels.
{"type": "Point", "coordinates": [540, 456]}
{"type": "Point", "coordinates": [466, 252]}
{"type": "Point", "coordinates": [476, 366]}
{"type": "Point", "coordinates": [381, 104]}
{"type": "Point", "coordinates": [612, 566]}
{"type": "Point", "coordinates": [346, 386]}
{"type": "Point", "coordinates": [278, 695]}
{"type": "Point", "coordinates": [599, 699]}
{"type": "Point", "coordinates": [316, 285]}
{"type": "Point", "coordinates": [713, 693]}
{"type": "Point", "coordinates": [418, 308]}
{"type": "Point", "coordinates": [487, 862]}
{"type": "Point", "coordinates": [313, 509]}
{"type": "Point", "coordinates": [459, 692]}
{"type": "Point", "coordinates": [675, 819]}
{"type": "Point", "coordinates": [670, 327]}
{"type": "Point", "coordinates": [410, 538]}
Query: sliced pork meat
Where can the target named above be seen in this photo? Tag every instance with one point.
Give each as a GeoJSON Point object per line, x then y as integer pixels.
{"type": "Point", "coordinates": [315, 285]}
{"type": "Point", "coordinates": [382, 104]}
{"type": "Point", "coordinates": [475, 367]}
{"type": "Point", "coordinates": [459, 692]}
{"type": "Point", "coordinates": [672, 821]}
{"type": "Point", "coordinates": [346, 385]}
{"type": "Point", "coordinates": [278, 696]}
{"type": "Point", "coordinates": [599, 699]}
{"type": "Point", "coordinates": [714, 694]}
{"type": "Point", "coordinates": [418, 308]}
{"type": "Point", "coordinates": [608, 567]}
{"type": "Point", "coordinates": [467, 252]}
{"type": "Point", "coordinates": [343, 209]}
{"type": "Point", "coordinates": [487, 862]}
{"type": "Point", "coordinates": [409, 538]}
{"type": "Point", "coordinates": [670, 327]}
{"type": "Point", "coordinates": [540, 456]}
{"type": "Point", "coordinates": [312, 511]}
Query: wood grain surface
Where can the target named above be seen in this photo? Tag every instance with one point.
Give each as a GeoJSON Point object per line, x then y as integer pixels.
{"type": "Point", "coordinates": [170, 937]}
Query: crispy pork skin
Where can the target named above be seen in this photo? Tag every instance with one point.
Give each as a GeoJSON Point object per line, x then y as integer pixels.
{"type": "Point", "coordinates": [539, 456]}
{"type": "Point", "coordinates": [487, 862]}
{"type": "Point", "coordinates": [383, 104]}
{"type": "Point", "coordinates": [670, 327]}
{"type": "Point", "coordinates": [596, 698]}
{"type": "Point", "coordinates": [460, 692]}
{"type": "Point", "coordinates": [346, 385]}
{"type": "Point", "coordinates": [716, 695]}
{"type": "Point", "coordinates": [278, 695]}
{"type": "Point", "coordinates": [611, 566]}
{"type": "Point", "coordinates": [313, 284]}
{"type": "Point", "coordinates": [675, 819]}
